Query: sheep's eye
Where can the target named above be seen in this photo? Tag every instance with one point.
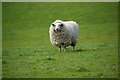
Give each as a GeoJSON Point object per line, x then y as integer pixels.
{"type": "Point", "coordinates": [53, 24]}
{"type": "Point", "coordinates": [61, 25]}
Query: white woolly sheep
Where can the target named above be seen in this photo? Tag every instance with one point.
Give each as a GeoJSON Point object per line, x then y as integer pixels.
{"type": "Point", "coordinates": [63, 34]}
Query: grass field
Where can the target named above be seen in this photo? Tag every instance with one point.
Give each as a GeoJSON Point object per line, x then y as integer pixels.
{"type": "Point", "coordinates": [28, 53]}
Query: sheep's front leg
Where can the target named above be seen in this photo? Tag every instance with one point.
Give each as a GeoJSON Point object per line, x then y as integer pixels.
{"type": "Point", "coordinates": [64, 48]}
{"type": "Point", "coordinates": [60, 48]}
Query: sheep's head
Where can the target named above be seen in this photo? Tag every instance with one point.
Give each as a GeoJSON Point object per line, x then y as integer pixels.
{"type": "Point", "coordinates": [57, 27]}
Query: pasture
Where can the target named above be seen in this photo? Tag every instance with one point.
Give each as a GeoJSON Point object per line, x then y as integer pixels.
{"type": "Point", "coordinates": [28, 53]}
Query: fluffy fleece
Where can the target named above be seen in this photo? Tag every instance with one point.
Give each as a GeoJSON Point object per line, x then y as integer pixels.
{"type": "Point", "coordinates": [63, 34]}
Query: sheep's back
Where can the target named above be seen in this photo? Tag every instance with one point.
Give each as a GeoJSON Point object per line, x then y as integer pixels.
{"type": "Point", "coordinates": [73, 30]}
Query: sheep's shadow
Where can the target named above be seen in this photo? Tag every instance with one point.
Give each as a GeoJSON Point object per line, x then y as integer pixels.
{"type": "Point", "coordinates": [77, 50]}
{"type": "Point", "coordinates": [80, 50]}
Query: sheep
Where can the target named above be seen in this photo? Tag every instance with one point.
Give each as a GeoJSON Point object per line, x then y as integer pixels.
{"type": "Point", "coordinates": [63, 34]}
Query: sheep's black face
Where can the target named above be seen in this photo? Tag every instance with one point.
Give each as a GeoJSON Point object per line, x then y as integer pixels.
{"type": "Point", "coordinates": [58, 27]}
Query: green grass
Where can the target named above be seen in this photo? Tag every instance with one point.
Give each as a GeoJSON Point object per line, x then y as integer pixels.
{"type": "Point", "coordinates": [28, 53]}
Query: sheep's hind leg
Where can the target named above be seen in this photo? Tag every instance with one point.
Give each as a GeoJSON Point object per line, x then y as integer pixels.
{"type": "Point", "coordinates": [73, 45]}
{"type": "Point", "coordinates": [73, 48]}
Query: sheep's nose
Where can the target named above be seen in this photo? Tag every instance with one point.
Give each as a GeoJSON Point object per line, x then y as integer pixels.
{"type": "Point", "coordinates": [57, 29]}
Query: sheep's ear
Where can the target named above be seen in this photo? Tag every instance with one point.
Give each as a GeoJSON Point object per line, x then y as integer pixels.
{"type": "Point", "coordinates": [61, 25]}
{"type": "Point", "coordinates": [53, 24]}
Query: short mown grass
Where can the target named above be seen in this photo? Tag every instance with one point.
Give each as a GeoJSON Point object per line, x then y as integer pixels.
{"type": "Point", "coordinates": [28, 53]}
